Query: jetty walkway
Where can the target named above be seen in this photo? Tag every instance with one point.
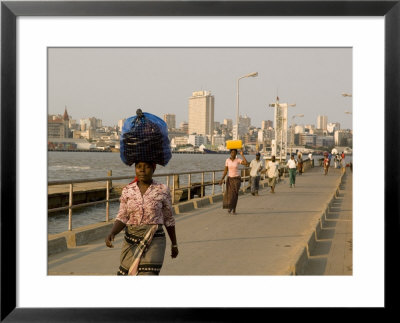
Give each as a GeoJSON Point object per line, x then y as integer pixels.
{"type": "Point", "coordinates": [306, 230]}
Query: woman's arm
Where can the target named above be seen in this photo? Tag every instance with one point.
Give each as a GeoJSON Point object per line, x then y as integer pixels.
{"type": "Point", "coordinates": [116, 228]}
{"type": "Point", "coordinates": [244, 161]}
{"type": "Point", "coordinates": [223, 176]}
{"type": "Point", "coordinates": [172, 236]}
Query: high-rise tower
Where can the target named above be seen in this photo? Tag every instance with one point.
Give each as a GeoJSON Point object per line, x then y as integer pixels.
{"type": "Point", "coordinates": [201, 113]}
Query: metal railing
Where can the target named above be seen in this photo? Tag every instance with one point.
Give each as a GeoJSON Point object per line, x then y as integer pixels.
{"type": "Point", "coordinates": [174, 188]}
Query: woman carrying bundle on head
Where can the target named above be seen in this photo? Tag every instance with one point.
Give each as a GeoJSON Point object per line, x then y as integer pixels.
{"type": "Point", "coordinates": [145, 206]}
{"type": "Point", "coordinates": [233, 181]}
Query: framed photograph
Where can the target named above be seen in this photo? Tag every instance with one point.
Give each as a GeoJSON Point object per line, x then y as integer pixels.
{"type": "Point", "coordinates": [30, 29]}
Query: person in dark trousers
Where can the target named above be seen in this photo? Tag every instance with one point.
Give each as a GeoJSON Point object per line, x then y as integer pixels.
{"type": "Point", "coordinates": [272, 170]}
{"type": "Point", "coordinates": [292, 165]}
{"type": "Point", "coordinates": [256, 166]}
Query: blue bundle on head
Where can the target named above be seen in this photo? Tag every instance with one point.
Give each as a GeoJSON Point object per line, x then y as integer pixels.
{"type": "Point", "coordinates": [144, 138]}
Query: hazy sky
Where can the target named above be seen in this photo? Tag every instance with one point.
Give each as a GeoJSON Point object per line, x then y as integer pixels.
{"type": "Point", "coordinates": [111, 83]}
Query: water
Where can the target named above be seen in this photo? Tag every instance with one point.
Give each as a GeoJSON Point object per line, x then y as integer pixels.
{"type": "Point", "coordinates": [78, 165]}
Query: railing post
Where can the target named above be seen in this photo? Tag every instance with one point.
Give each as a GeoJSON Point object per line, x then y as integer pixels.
{"type": "Point", "coordinates": [109, 173]}
{"type": "Point", "coordinates": [173, 189]}
{"type": "Point", "coordinates": [108, 202]}
{"type": "Point", "coordinates": [213, 184]}
{"type": "Point", "coordinates": [189, 185]}
{"type": "Point", "coordinates": [71, 191]}
{"type": "Point", "coordinates": [168, 181]}
{"type": "Point", "coordinates": [243, 177]}
{"type": "Point", "coordinates": [202, 185]}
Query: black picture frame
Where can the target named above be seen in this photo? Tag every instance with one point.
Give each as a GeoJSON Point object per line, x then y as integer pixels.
{"type": "Point", "coordinates": [11, 10]}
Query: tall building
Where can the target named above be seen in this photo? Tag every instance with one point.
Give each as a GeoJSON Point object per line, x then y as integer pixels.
{"type": "Point", "coordinates": [244, 125]}
{"type": "Point", "coordinates": [170, 121]}
{"type": "Point", "coordinates": [121, 124]}
{"type": "Point", "coordinates": [201, 113]}
{"type": "Point", "coordinates": [322, 122]}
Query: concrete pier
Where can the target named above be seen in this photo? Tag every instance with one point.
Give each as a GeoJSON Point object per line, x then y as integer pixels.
{"type": "Point", "coordinates": [272, 234]}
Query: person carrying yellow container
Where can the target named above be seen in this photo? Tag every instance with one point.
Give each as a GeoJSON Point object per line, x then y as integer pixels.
{"type": "Point", "coordinates": [233, 181]}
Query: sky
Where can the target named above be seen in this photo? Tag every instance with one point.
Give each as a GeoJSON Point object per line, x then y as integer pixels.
{"type": "Point", "coordinates": [111, 83]}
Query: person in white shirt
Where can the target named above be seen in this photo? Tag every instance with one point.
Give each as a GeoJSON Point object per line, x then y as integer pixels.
{"type": "Point", "coordinates": [256, 166]}
{"type": "Point", "coordinates": [311, 159]}
{"type": "Point", "coordinates": [292, 164]}
{"type": "Point", "coordinates": [272, 173]}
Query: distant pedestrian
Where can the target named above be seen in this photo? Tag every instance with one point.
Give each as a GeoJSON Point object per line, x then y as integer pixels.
{"type": "Point", "coordinates": [326, 164]}
{"type": "Point", "coordinates": [292, 165]}
{"type": "Point", "coordinates": [311, 159]}
{"type": "Point", "coordinates": [336, 160]}
{"type": "Point", "coordinates": [300, 163]}
{"type": "Point", "coordinates": [272, 170]}
{"type": "Point", "coordinates": [342, 164]}
{"type": "Point", "coordinates": [233, 181]}
{"type": "Point", "coordinates": [256, 166]}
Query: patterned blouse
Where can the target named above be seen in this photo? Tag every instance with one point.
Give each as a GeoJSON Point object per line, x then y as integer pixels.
{"type": "Point", "coordinates": [154, 207]}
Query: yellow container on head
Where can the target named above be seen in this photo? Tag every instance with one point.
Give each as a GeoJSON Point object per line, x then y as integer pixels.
{"type": "Point", "coordinates": [233, 144]}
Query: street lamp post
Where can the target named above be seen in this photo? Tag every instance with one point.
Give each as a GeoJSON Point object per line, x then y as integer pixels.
{"type": "Point", "coordinates": [291, 144]}
{"type": "Point", "coordinates": [254, 74]}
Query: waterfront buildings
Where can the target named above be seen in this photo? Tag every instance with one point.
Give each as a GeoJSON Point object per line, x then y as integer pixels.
{"type": "Point", "coordinates": [343, 138]}
{"type": "Point", "coordinates": [228, 123]}
{"type": "Point", "coordinates": [332, 127]}
{"type": "Point", "coordinates": [184, 126]}
{"type": "Point", "coordinates": [308, 139]}
{"type": "Point", "coordinates": [197, 140]}
{"type": "Point", "coordinates": [170, 121]}
{"type": "Point", "coordinates": [265, 124]}
{"type": "Point", "coordinates": [201, 113]}
{"type": "Point", "coordinates": [58, 126]}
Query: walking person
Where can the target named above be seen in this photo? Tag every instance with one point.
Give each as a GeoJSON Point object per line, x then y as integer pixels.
{"type": "Point", "coordinates": [145, 206]}
{"type": "Point", "coordinates": [256, 166]}
{"type": "Point", "coordinates": [311, 159]}
{"type": "Point", "coordinates": [292, 165]}
{"type": "Point", "coordinates": [326, 164]}
{"type": "Point", "coordinates": [300, 163]}
{"type": "Point", "coordinates": [272, 170]}
{"type": "Point", "coordinates": [233, 180]}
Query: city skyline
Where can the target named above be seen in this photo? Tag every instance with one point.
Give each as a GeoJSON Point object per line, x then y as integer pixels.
{"type": "Point", "coordinates": [112, 83]}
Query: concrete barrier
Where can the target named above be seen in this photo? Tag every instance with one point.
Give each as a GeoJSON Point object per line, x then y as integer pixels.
{"type": "Point", "coordinates": [57, 245]}
{"type": "Point", "coordinates": [86, 235]}
{"type": "Point", "coordinates": [303, 254]}
{"type": "Point", "coordinates": [80, 236]}
{"type": "Point", "coordinates": [217, 198]}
